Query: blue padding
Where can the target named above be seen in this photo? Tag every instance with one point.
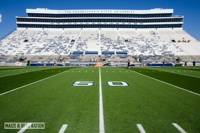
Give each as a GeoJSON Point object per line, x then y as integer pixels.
{"type": "Point", "coordinates": [47, 64]}
{"type": "Point", "coordinates": [168, 64]}
{"type": "Point", "coordinates": [121, 52]}
{"type": "Point", "coordinates": [108, 52]}
{"type": "Point", "coordinates": [36, 64]}
{"type": "Point", "coordinates": [91, 52]}
{"type": "Point", "coordinates": [77, 52]}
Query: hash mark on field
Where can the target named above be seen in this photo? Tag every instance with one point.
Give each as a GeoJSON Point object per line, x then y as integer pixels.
{"type": "Point", "coordinates": [179, 128]}
{"type": "Point", "coordinates": [24, 128]}
{"type": "Point", "coordinates": [141, 128]}
{"type": "Point", "coordinates": [63, 128]}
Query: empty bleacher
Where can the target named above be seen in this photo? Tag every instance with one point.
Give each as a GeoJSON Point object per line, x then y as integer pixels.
{"type": "Point", "coordinates": [53, 43]}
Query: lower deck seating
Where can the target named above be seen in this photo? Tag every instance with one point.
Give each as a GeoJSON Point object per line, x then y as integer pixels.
{"type": "Point", "coordinates": [146, 42]}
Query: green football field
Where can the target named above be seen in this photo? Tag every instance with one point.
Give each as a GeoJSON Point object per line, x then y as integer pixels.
{"type": "Point", "coordinates": [100, 100]}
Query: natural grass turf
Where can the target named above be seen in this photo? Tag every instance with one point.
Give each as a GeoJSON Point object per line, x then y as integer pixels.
{"type": "Point", "coordinates": [11, 82]}
{"type": "Point", "coordinates": [186, 68]}
{"type": "Point", "coordinates": [20, 70]}
{"type": "Point", "coordinates": [56, 102]}
{"type": "Point", "coordinates": [186, 82]}
{"type": "Point", "coordinates": [145, 101]}
{"type": "Point", "coordinates": [3, 69]}
{"type": "Point", "coordinates": [189, 71]}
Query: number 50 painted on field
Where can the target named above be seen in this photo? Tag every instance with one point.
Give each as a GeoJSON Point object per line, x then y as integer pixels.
{"type": "Point", "coordinates": [91, 83]}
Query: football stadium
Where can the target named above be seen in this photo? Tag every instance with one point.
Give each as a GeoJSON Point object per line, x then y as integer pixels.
{"type": "Point", "coordinates": [100, 71]}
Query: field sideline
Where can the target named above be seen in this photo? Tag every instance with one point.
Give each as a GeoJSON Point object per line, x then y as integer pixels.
{"type": "Point", "coordinates": [106, 99]}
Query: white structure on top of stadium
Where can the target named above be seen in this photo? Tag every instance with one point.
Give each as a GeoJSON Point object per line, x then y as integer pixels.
{"type": "Point", "coordinates": [155, 32]}
{"type": "Point", "coordinates": [154, 18]}
{"type": "Point", "coordinates": [107, 11]}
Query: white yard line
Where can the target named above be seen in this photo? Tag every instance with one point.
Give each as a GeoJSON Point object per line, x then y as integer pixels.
{"type": "Point", "coordinates": [30, 84]}
{"type": "Point", "coordinates": [24, 128]}
{"type": "Point", "coordinates": [167, 83]}
{"type": "Point", "coordinates": [63, 128]}
{"type": "Point", "coordinates": [101, 117]}
{"type": "Point", "coordinates": [179, 128]}
{"type": "Point", "coordinates": [141, 128]}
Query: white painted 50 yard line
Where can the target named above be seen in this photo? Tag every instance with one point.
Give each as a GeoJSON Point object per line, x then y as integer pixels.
{"type": "Point", "coordinates": [101, 117]}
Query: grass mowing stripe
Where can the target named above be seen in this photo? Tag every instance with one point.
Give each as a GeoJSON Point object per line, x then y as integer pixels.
{"type": "Point", "coordinates": [174, 72]}
{"type": "Point", "coordinates": [3, 69]}
{"type": "Point", "coordinates": [182, 74]}
{"type": "Point", "coordinates": [10, 82]}
{"type": "Point", "coordinates": [101, 117]}
{"type": "Point", "coordinates": [167, 83]}
{"type": "Point", "coordinates": [30, 84]}
{"type": "Point", "coordinates": [187, 68]}
{"type": "Point", "coordinates": [23, 70]}
{"type": "Point", "coordinates": [186, 82]}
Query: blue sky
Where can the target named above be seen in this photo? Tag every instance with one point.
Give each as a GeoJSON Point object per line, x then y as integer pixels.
{"type": "Point", "coordinates": [190, 9]}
